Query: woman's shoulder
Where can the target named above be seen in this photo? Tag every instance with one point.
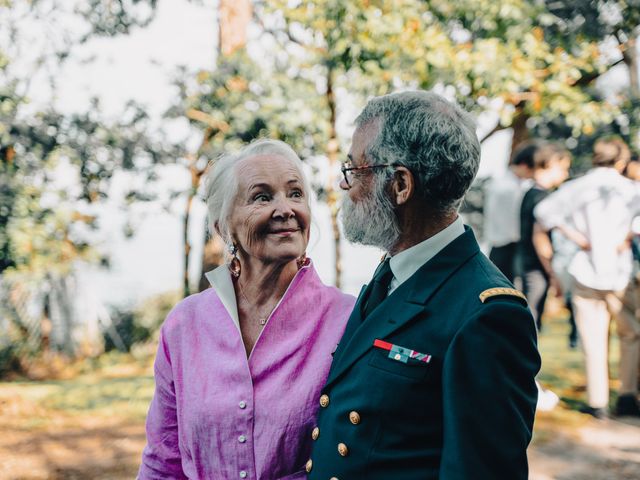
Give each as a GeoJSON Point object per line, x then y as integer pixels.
{"type": "Point", "coordinates": [187, 310]}
{"type": "Point", "coordinates": [329, 293]}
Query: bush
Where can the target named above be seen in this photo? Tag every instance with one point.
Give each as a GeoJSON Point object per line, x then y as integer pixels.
{"type": "Point", "coordinates": [131, 327]}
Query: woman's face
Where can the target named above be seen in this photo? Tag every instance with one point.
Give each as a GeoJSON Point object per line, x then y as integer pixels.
{"type": "Point", "coordinates": [270, 216]}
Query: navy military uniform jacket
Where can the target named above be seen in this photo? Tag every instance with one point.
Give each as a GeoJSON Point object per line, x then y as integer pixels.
{"type": "Point", "coordinates": [437, 383]}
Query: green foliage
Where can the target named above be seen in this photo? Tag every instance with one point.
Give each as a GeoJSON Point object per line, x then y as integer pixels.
{"type": "Point", "coordinates": [132, 327]}
{"type": "Point", "coordinates": [593, 19]}
{"type": "Point", "coordinates": [45, 225]}
{"type": "Point", "coordinates": [242, 100]}
{"type": "Point", "coordinates": [501, 57]}
{"type": "Point", "coordinates": [109, 18]}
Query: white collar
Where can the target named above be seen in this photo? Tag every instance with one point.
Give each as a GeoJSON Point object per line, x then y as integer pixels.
{"type": "Point", "coordinates": [406, 263]}
{"type": "Point", "coordinates": [220, 280]}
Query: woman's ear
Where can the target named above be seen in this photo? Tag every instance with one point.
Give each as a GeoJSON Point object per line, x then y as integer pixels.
{"type": "Point", "coordinates": [225, 238]}
{"type": "Point", "coordinates": [403, 185]}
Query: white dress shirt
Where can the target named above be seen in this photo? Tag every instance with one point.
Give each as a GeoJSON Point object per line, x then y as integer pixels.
{"type": "Point", "coordinates": [406, 263]}
{"type": "Point", "coordinates": [503, 196]}
{"type": "Point", "coordinates": [601, 206]}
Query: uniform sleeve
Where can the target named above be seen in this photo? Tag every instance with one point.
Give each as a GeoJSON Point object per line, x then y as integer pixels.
{"type": "Point", "coordinates": [489, 395]}
{"type": "Point", "coordinates": [161, 456]}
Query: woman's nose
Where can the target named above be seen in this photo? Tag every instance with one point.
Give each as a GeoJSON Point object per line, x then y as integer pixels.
{"type": "Point", "coordinates": [282, 208]}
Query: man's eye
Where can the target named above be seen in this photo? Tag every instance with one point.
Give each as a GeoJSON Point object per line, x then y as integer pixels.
{"type": "Point", "coordinates": [297, 194]}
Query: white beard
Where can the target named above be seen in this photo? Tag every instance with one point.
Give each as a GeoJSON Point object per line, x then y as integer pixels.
{"type": "Point", "coordinates": [371, 221]}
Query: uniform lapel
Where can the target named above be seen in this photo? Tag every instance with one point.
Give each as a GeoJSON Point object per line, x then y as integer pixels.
{"type": "Point", "coordinates": [355, 320]}
{"type": "Point", "coordinates": [402, 305]}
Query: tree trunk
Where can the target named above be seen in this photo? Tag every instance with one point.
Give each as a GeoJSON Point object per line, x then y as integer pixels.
{"type": "Point", "coordinates": [332, 195]}
{"type": "Point", "coordinates": [196, 173]}
{"type": "Point", "coordinates": [520, 131]}
{"type": "Point", "coordinates": [213, 256]}
{"type": "Point", "coordinates": [630, 55]}
{"type": "Point", "coordinates": [233, 18]}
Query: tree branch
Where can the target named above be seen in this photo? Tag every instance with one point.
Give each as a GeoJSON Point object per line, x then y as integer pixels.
{"type": "Point", "coordinates": [495, 129]}
{"type": "Point", "coordinates": [587, 79]}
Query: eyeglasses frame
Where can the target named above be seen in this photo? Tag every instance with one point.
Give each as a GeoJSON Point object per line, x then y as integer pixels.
{"type": "Point", "coordinates": [345, 169]}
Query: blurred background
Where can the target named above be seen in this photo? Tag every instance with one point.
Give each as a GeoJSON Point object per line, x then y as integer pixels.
{"type": "Point", "coordinates": [111, 111]}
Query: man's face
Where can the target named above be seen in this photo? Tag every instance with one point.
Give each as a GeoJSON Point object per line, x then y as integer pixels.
{"type": "Point", "coordinates": [368, 215]}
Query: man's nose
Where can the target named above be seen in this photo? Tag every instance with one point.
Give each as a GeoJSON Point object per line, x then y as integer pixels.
{"type": "Point", "coordinates": [343, 184]}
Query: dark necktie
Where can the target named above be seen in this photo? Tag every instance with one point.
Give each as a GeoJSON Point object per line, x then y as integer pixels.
{"type": "Point", "coordinates": [379, 288]}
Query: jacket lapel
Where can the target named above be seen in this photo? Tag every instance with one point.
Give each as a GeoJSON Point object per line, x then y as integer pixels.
{"type": "Point", "coordinates": [355, 320]}
{"type": "Point", "coordinates": [404, 304]}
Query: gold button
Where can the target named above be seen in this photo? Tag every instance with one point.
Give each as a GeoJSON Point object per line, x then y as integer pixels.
{"type": "Point", "coordinates": [324, 401]}
{"type": "Point", "coordinates": [343, 450]}
{"type": "Point", "coordinates": [354, 417]}
{"type": "Point", "coordinates": [309, 465]}
{"type": "Point", "coordinates": [315, 433]}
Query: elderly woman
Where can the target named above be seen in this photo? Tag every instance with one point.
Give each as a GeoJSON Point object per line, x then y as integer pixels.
{"type": "Point", "coordinates": [240, 366]}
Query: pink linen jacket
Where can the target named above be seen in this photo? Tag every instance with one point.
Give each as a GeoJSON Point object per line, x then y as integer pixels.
{"type": "Point", "coordinates": [216, 414]}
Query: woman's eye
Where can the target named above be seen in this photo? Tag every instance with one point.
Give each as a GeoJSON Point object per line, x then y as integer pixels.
{"type": "Point", "coordinates": [261, 197]}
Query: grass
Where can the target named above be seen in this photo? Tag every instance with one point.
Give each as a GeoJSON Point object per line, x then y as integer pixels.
{"type": "Point", "coordinates": [114, 385]}
{"type": "Point", "coordinates": [563, 372]}
{"type": "Point", "coordinates": [89, 423]}
{"type": "Point", "coordinates": [117, 384]}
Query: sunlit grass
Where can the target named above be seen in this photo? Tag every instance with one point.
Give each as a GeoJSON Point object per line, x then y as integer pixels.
{"type": "Point", "coordinates": [563, 373]}
{"type": "Point", "coordinates": [116, 385]}
{"type": "Point", "coordinates": [120, 386]}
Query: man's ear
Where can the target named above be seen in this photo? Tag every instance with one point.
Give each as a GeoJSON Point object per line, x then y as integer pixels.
{"type": "Point", "coordinates": [403, 186]}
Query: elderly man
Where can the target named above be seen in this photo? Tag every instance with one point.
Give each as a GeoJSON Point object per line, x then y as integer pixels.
{"type": "Point", "coordinates": [434, 376]}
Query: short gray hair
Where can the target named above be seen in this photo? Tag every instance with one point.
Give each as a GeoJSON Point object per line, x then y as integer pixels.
{"type": "Point", "coordinates": [432, 137]}
{"type": "Point", "coordinates": [221, 182]}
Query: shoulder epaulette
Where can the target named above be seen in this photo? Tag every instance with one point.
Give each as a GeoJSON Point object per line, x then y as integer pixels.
{"type": "Point", "coordinates": [501, 291]}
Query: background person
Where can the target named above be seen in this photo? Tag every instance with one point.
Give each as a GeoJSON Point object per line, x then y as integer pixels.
{"type": "Point", "coordinates": [595, 212]}
{"type": "Point", "coordinates": [503, 196]}
{"type": "Point", "coordinates": [240, 366]}
{"type": "Point", "coordinates": [550, 168]}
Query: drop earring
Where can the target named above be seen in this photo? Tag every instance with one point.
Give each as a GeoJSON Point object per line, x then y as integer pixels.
{"type": "Point", "coordinates": [234, 265]}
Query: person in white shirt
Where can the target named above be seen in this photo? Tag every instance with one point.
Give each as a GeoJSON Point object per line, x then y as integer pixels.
{"type": "Point", "coordinates": [595, 212]}
{"type": "Point", "coordinates": [503, 196]}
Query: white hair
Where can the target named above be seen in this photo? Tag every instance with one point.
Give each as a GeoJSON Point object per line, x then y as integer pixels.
{"type": "Point", "coordinates": [222, 181]}
{"type": "Point", "coordinates": [434, 138]}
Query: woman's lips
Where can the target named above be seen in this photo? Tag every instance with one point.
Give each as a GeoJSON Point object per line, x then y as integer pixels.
{"type": "Point", "coordinates": [285, 232]}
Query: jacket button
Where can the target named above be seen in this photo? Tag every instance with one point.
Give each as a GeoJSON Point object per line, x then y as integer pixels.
{"type": "Point", "coordinates": [354, 417]}
{"type": "Point", "coordinates": [315, 433]}
{"type": "Point", "coordinates": [343, 450]}
{"type": "Point", "coordinates": [309, 465]}
{"type": "Point", "coordinates": [324, 401]}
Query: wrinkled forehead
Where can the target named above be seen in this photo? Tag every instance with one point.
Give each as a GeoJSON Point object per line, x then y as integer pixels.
{"type": "Point", "coordinates": [271, 169]}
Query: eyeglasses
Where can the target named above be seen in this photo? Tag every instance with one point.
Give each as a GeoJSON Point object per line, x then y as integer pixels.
{"type": "Point", "coordinates": [348, 172]}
